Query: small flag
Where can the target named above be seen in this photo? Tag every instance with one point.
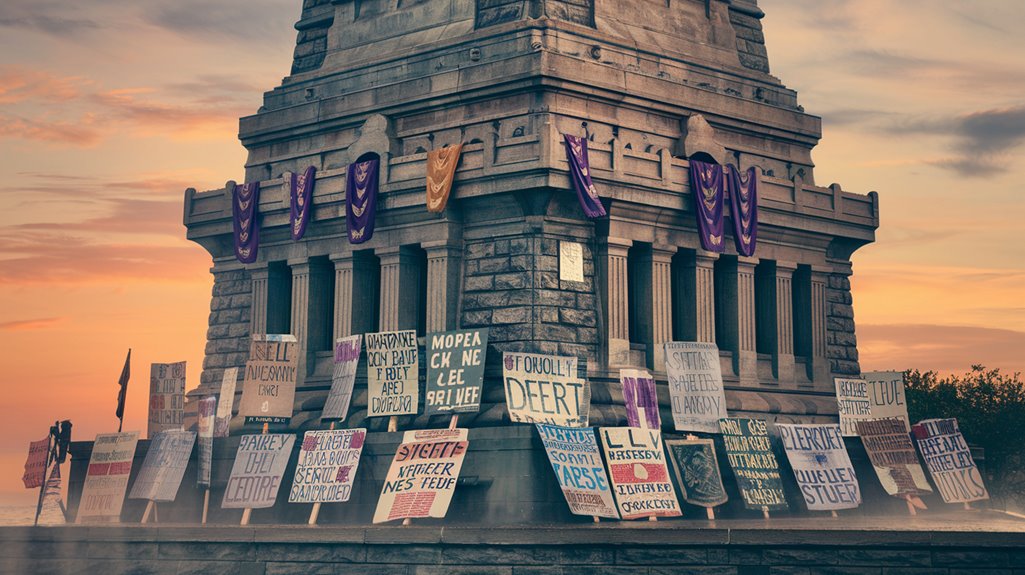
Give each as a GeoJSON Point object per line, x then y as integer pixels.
{"type": "Point", "coordinates": [126, 372]}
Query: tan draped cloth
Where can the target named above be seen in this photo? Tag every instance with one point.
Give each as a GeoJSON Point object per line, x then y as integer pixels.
{"type": "Point", "coordinates": [441, 170]}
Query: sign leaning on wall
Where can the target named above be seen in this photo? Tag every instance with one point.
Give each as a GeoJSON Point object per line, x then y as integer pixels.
{"type": "Point", "coordinates": [639, 474]}
{"type": "Point", "coordinates": [327, 466]}
{"type": "Point", "coordinates": [545, 389]}
{"type": "Point", "coordinates": [949, 460]}
{"type": "Point", "coordinates": [695, 386]}
{"type": "Point", "coordinates": [162, 470]}
{"type": "Point", "coordinates": [640, 399]}
{"type": "Point", "coordinates": [821, 465]}
{"type": "Point", "coordinates": [343, 377]}
{"type": "Point", "coordinates": [893, 456]}
{"type": "Point", "coordinates": [423, 475]}
{"type": "Point", "coordinates": [886, 396]}
{"type": "Point", "coordinates": [256, 474]}
{"type": "Point", "coordinates": [206, 420]}
{"type": "Point", "coordinates": [393, 373]}
{"type": "Point", "coordinates": [268, 388]}
{"type": "Point", "coordinates": [852, 403]}
{"type": "Point", "coordinates": [754, 464]}
{"type": "Point", "coordinates": [166, 397]}
{"type": "Point", "coordinates": [225, 402]}
{"type": "Point", "coordinates": [697, 471]}
{"type": "Point", "coordinates": [455, 371]}
{"type": "Point", "coordinates": [574, 455]}
{"type": "Point", "coordinates": [106, 479]}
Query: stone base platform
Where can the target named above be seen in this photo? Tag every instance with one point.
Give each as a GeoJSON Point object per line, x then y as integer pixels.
{"type": "Point", "coordinates": [953, 543]}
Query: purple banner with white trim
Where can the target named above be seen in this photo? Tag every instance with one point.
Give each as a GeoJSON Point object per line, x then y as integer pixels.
{"type": "Point", "coordinates": [245, 221]}
{"type": "Point", "coordinates": [744, 209]}
{"type": "Point", "coordinates": [580, 175]}
{"type": "Point", "coordinates": [300, 189]}
{"type": "Point", "coordinates": [706, 182]}
{"type": "Point", "coordinates": [361, 200]}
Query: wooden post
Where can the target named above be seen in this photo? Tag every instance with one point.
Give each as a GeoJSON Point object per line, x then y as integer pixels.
{"type": "Point", "coordinates": [206, 503]}
{"type": "Point", "coordinates": [393, 423]}
{"type": "Point", "coordinates": [156, 513]}
{"type": "Point", "coordinates": [149, 509]}
{"type": "Point", "coordinates": [711, 513]}
{"type": "Point", "coordinates": [46, 478]}
{"type": "Point", "coordinates": [454, 422]}
{"type": "Point", "coordinates": [911, 506]}
{"type": "Point", "coordinates": [765, 512]}
{"type": "Point", "coordinates": [833, 513]}
{"type": "Point", "coordinates": [316, 506]}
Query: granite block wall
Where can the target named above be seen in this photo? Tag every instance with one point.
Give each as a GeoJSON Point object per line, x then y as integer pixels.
{"type": "Point", "coordinates": [841, 342]}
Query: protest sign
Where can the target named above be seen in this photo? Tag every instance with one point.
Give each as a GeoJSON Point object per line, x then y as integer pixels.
{"type": "Point", "coordinates": [256, 474]}
{"type": "Point", "coordinates": [886, 396]}
{"type": "Point", "coordinates": [268, 387]}
{"type": "Point", "coordinates": [893, 456]}
{"type": "Point", "coordinates": [639, 474]}
{"type": "Point", "coordinates": [754, 464]}
{"type": "Point", "coordinates": [455, 371]}
{"type": "Point", "coordinates": [422, 477]}
{"type": "Point", "coordinates": [852, 403]}
{"type": "Point", "coordinates": [225, 402]}
{"type": "Point", "coordinates": [821, 465]}
{"type": "Point", "coordinates": [35, 464]}
{"type": "Point", "coordinates": [545, 389]}
{"type": "Point", "coordinates": [949, 460]}
{"type": "Point", "coordinates": [640, 398]}
{"type": "Point", "coordinates": [166, 397]}
{"type": "Point", "coordinates": [327, 466]}
{"type": "Point", "coordinates": [343, 378]}
{"type": "Point", "coordinates": [162, 470]}
{"type": "Point", "coordinates": [393, 373]}
{"type": "Point", "coordinates": [207, 415]}
{"type": "Point", "coordinates": [695, 386]}
{"type": "Point", "coordinates": [574, 455]}
{"type": "Point", "coordinates": [697, 471]}
{"type": "Point", "coordinates": [107, 477]}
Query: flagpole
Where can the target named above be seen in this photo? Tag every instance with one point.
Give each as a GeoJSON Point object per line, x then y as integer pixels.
{"type": "Point", "coordinates": [122, 395]}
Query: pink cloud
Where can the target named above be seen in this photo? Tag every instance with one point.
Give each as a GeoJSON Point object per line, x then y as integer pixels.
{"type": "Point", "coordinates": [79, 133]}
{"type": "Point", "coordinates": [29, 324]}
{"type": "Point", "coordinates": [19, 84]}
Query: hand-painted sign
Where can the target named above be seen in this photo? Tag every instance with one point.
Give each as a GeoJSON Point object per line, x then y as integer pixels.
{"type": "Point", "coordinates": [695, 386]}
{"type": "Point", "coordinates": [821, 465]}
{"type": "Point", "coordinates": [640, 398]}
{"type": "Point", "coordinates": [697, 471]}
{"type": "Point", "coordinates": [754, 464]}
{"type": "Point", "coordinates": [574, 455]}
{"type": "Point", "coordinates": [35, 465]}
{"type": "Point", "coordinates": [343, 378]}
{"type": "Point", "coordinates": [852, 403]}
{"type": "Point", "coordinates": [166, 397]}
{"type": "Point", "coordinates": [393, 373]}
{"type": "Point", "coordinates": [256, 474]}
{"type": "Point", "coordinates": [545, 389]}
{"type": "Point", "coordinates": [162, 470]}
{"type": "Point", "coordinates": [106, 480]}
{"type": "Point", "coordinates": [327, 466]}
{"type": "Point", "coordinates": [206, 421]}
{"type": "Point", "coordinates": [639, 474]}
{"type": "Point", "coordinates": [455, 371]}
{"type": "Point", "coordinates": [893, 456]}
{"type": "Point", "coordinates": [226, 402]}
{"type": "Point", "coordinates": [949, 460]}
{"type": "Point", "coordinates": [268, 389]}
{"type": "Point", "coordinates": [886, 396]}
{"type": "Point", "coordinates": [423, 475]}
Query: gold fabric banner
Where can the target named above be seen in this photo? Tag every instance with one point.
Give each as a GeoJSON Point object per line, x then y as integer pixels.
{"type": "Point", "coordinates": [441, 170]}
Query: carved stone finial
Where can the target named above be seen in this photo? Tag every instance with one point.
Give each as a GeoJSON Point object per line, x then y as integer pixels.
{"type": "Point", "coordinates": [699, 136]}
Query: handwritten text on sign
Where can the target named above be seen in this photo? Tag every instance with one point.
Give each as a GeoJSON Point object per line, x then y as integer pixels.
{"type": "Point", "coordinates": [268, 389]}
{"type": "Point", "coordinates": [545, 389]}
{"type": "Point", "coordinates": [107, 477]}
{"type": "Point", "coordinates": [226, 402]}
{"type": "Point", "coordinates": [327, 466]}
{"type": "Point", "coordinates": [256, 474]}
{"type": "Point", "coordinates": [821, 465]}
{"type": "Point", "coordinates": [423, 475]}
{"type": "Point", "coordinates": [949, 460]}
{"type": "Point", "coordinates": [343, 377]}
{"type": "Point", "coordinates": [205, 424]}
{"type": "Point", "coordinates": [166, 397]}
{"type": "Point", "coordinates": [893, 456]}
{"type": "Point", "coordinates": [886, 396]}
{"type": "Point", "coordinates": [455, 371]}
{"type": "Point", "coordinates": [639, 474]}
{"type": "Point", "coordinates": [640, 398]}
{"type": "Point", "coordinates": [852, 403]}
{"type": "Point", "coordinates": [695, 386]}
{"type": "Point", "coordinates": [577, 463]}
{"type": "Point", "coordinates": [393, 373]}
{"type": "Point", "coordinates": [164, 466]}
{"type": "Point", "coordinates": [35, 465]}
{"type": "Point", "coordinates": [754, 464]}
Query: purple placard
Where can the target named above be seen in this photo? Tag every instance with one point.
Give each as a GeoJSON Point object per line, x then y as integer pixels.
{"type": "Point", "coordinates": [639, 393]}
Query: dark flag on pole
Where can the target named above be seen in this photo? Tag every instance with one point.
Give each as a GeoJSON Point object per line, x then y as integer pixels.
{"type": "Point", "coordinates": [122, 382]}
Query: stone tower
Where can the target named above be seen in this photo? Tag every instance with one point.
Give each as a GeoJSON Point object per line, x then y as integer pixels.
{"type": "Point", "coordinates": [649, 83]}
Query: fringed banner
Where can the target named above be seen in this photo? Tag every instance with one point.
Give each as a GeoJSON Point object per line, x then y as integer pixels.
{"type": "Point", "coordinates": [580, 175]}
{"type": "Point", "coordinates": [361, 199]}
{"type": "Point", "coordinates": [300, 189]}
{"type": "Point", "coordinates": [744, 209]}
{"type": "Point", "coordinates": [706, 182]}
{"type": "Point", "coordinates": [441, 170]}
{"type": "Point", "coordinates": [245, 199]}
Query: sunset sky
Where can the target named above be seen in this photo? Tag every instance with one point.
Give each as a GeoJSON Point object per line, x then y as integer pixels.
{"type": "Point", "coordinates": [109, 109]}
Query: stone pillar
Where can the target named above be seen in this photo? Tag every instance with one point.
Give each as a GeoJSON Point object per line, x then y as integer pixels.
{"type": "Point", "coordinates": [443, 262]}
{"type": "Point", "coordinates": [343, 295]}
{"type": "Point", "coordinates": [301, 307]}
{"type": "Point", "coordinates": [400, 289]}
{"type": "Point", "coordinates": [704, 296]}
{"type": "Point", "coordinates": [820, 370]}
{"type": "Point", "coordinates": [259, 275]}
{"type": "Point", "coordinates": [783, 350]}
{"type": "Point", "coordinates": [661, 304]}
{"type": "Point", "coordinates": [614, 286]}
{"type": "Point", "coordinates": [745, 357]}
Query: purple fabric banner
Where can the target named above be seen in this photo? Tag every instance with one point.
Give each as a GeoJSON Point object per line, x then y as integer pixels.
{"type": "Point", "coordinates": [300, 189]}
{"type": "Point", "coordinates": [245, 221]}
{"type": "Point", "coordinates": [706, 183]}
{"type": "Point", "coordinates": [580, 175]}
{"type": "Point", "coordinates": [639, 394]}
{"type": "Point", "coordinates": [744, 209]}
{"type": "Point", "coordinates": [361, 200]}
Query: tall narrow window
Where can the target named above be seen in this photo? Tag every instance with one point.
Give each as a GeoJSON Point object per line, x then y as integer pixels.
{"type": "Point", "coordinates": [279, 298]}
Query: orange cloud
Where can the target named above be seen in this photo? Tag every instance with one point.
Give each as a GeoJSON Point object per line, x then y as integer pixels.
{"type": "Point", "coordinates": [80, 133]}
{"type": "Point", "coordinates": [18, 84]}
{"type": "Point", "coordinates": [29, 324]}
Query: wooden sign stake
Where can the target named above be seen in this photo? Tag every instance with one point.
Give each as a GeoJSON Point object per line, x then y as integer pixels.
{"type": "Point", "coordinates": [967, 506]}
{"type": "Point", "coordinates": [911, 506]}
{"type": "Point", "coordinates": [206, 503]}
{"type": "Point", "coordinates": [149, 509]}
{"type": "Point", "coordinates": [316, 506]}
{"type": "Point", "coordinates": [765, 512]}
{"type": "Point", "coordinates": [833, 513]}
{"type": "Point", "coordinates": [454, 421]}
{"type": "Point", "coordinates": [156, 513]}
{"type": "Point", "coordinates": [711, 513]}
{"type": "Point", "coordinates": [393, 423]}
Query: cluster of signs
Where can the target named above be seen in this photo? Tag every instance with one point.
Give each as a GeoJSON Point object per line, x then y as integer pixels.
{"type": "Point", "coordinates": [627, 477]}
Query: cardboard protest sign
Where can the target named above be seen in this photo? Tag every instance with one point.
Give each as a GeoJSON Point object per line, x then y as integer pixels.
{"type": "Point", "coordinates": [574, 455]}
{"type": "Point", "coordinates": [754, 464]}
{"type": "Point", "coordinates": [639, 474]}
{"type": "Point", "coordinates": [852, 403]}
{"type": "Point", "coordinates": [949, 460]}
{"type": "Point", "coordinates": [225, 402]}
{"type": "Point", "coordinates": [35, 465]}
{"type": "Point", "coordinates": [695, 386]}
{"type": "Point", "coordinates": [256, 474]}
{"type": "Point", "coordinates": [164, 466]}
{"type": "Point", "coordinates": [327, 466]}
{"type": "Point", "coordinates": [268, 387]}
{"type": "Point", "coordinates": [393, 373]}
{"type": "Point", "coordinates": [207, 412]}
{"type": "Point", "coordinates": [423, 475]}
{"type": "Point", "coordinates": [107, 477]}
{"type": "Point", "coordinates": [343, 378]}
{"type": "Point", "coordinates": [886, 396]}
{"type": "Point", "coordinates": [545, 389]}
{"type": "Point", "coordinates": [455, 371]}
{"type": "Point", "coordinates": [166, 397]}
{"type": "Point", "coordinates": [821, 465]}
{"type": "Point", "coordinates": [640, 398]}
{"type": "Point", "coordinates": [893, 456]}
{"type": "Point", "coordinates": [697, 471]}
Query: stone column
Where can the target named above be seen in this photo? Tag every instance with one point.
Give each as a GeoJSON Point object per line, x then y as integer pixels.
{"type": "Point", "coordinates": [613, 286]}
{"type": "Point", "coordinates": [259, 275]}
{"type": "Point", "coordinates": [704, 296]}
{"type": "Point", "coordinates": [443, 262]}
{"type": "Point", "coordinates": [343, 294]}
{"type": "Point", "coordinates": [820, 369]}
{"type": "Point", "coordinates": [783, 350]}
{"type": "Point", "coordinates": [661, 304]}
{"type": "Point", "coordinates": [745, 357]}
{"type": "Point", "coordinates": [301, 307]}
